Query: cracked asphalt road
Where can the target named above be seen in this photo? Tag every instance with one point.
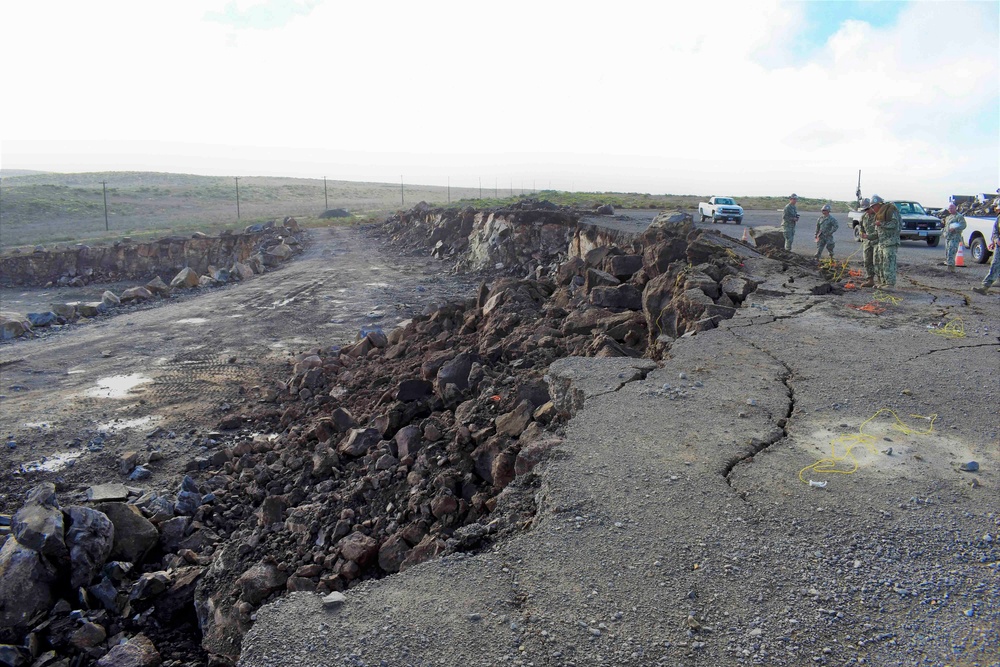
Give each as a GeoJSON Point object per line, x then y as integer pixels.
{"type": "Point", "coordinates": [673, 526]}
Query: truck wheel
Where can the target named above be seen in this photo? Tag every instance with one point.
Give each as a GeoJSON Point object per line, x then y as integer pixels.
{"type": "Point", "coordinates": [857, 233]}
{"type": "Point", "coordinates": [978, 250]}
{"type": "Point", "coordinates": [933, 241]}
{"type": "Point", "coordinates": [703, 217]}
{"type": "Point", "coordinates": [738, 221]}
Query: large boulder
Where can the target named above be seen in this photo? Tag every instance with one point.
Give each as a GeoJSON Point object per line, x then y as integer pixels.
{"type": "Point", "coordinates": [136, 652]}
{"type": "Point", "coordinates": [136, 294]}
{"type": "Point", "coordinates": [13, 325]}
{"type": "Point", "coordinates": [134, 534]}
{"type": "Point", "coordinates": [359, 548]}
{"type": "Point", "coordinates": [768, 237]}
{"type": "Point", "coordinates": [622, 297]}
{"type": "Point", "coordinates": [39, 524]}
{"type": "Point", "coordinates": [187, 278]}
{"type": "Point", "coordinates": [260, 581]}
{"type": "Point", "coordinates": [90, 537]}
{"type": "Point", "coordinates": [623, 267]}
{"type": "Point", "coordinates": [359, 441]}
{"type": "Point", "coordinates": [26, 580]}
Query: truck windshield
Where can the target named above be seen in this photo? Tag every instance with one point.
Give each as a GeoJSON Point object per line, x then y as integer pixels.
{"type": "Point", "coordinates": [918, 209]}
{"type": "Point", "coordinates": [724, 200]}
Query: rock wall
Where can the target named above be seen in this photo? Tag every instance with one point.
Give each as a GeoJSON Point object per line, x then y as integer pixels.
{"type": "Point", "coordinates": [123, 261]}
{"type": "Point", "coordinates": [517, 240]}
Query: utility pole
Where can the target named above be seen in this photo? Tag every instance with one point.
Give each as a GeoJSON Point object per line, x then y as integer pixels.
{"type": "Point", "coordinates": [401, 202]}
{"type": "Point", "coordinates": [237, 197]}
{"type": "Point", "coordinates": [104, 184]}
{"type": "Point", "coordinates": [326, 201]}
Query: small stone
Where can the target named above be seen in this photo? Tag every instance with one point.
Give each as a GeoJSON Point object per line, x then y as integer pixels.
{"type": "Point", "coordinates": [969, 466]}
{"type": "Point", "coordinates": [334, 600]}
{"type": "Point", "coordinates": [751, 401]}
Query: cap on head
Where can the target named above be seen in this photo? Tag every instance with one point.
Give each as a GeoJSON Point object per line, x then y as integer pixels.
{"type": "Point", "coordinates": [793, 196]}
{"type": "Point", "coordinates": [876, 200]}
{"type": "Point", "coordinates": [865, 203]}
{"type": "Point", "coordinates": [826, 207]}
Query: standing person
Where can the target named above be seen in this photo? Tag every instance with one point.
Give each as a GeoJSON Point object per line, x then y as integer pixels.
{"type": "Point", "coordinates": [869, 241]}
{"type": "Point", "coordinates": [789, 216]}
{"type": "Point", "coordinates": [994, 273]}
{"type": "Point", "coordinates": [887, 221]}
{"type": "Point", "coordinates": [954, 225]}
{"type": "Point", "coordinates": [826, 225]}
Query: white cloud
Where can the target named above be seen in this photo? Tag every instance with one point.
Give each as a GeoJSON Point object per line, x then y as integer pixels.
{"type": "Point", "coordinates": [677, 97]}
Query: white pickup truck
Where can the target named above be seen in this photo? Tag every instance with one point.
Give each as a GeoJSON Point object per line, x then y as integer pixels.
{"type": "Point", "coordinates": [977, 238]}
{"type": "Point", "coordinates": [916, 224]}
{"type": "Point", "coordinates": [723, 209]}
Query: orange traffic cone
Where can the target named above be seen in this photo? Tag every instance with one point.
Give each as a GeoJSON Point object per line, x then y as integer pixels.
{"type": "Point", "coordinates": [960, 258]}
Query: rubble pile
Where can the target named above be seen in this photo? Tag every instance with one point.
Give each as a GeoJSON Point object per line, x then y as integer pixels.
{"type": "Point", "coordinates": [272, 246]}
{"type": "Point", "coordinates": [367, 459]}
{"type": "Point", "coordinates": [81, 264]}
{"type": "Point", "coordinates": [982, 206]}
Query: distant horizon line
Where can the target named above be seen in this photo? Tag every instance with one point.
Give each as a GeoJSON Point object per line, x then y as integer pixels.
{"type": "Point", "coordinates": [5, 174]}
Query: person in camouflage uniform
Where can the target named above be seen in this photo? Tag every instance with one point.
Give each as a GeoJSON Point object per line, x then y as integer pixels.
{"type": "Point", "coordinates": [954, 225]}
{"type": "Point", "coordinates": [994, 273]}
{"type": "Point", "coordinates": [887, 221]}
{"type": "Point", "coordinates": [789, 217]}
{"type": "Point", "coordinates": [869, 241]}
{"type": "Point", "coordinates": [826, 225]}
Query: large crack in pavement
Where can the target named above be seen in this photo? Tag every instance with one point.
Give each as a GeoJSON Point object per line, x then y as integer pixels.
{"type": "Point", "coordinates": [950, 349]}
{"type": "Point", "coordinates": [780, 433]}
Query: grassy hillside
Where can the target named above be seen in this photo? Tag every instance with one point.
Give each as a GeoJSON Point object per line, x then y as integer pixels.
{"type": "Point", "coordinates": [48, 208]}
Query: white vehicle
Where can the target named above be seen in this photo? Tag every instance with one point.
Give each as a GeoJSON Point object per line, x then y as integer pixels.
{"type": "Point", "coordinates": [723, 209]}
{"type": "Point", "coordinates": [915, 225]}
{"type": "Point", "coordinates": [977, 237]}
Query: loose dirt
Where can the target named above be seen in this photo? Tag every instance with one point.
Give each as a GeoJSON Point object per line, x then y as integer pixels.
{"type": "Point", "coordinates": [73, 400]}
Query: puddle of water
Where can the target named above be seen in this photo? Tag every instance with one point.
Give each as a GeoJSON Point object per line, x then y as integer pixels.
{"type": "Point", "coordinates": [122, 424]}
{"type": "Point", "coordinates": [116, 386]}
{"type": "Point", "coordinates": [74, 371]}
{"type": "Point", "coordinates": [52, 463]}
{"type": "Point", "coordinates": [376, 284]}
{"type": "Point", "coordinates": [192, 320]}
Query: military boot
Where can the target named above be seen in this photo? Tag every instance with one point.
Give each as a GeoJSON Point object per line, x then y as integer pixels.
{"type": "Point", "coordinates": [981, 290]}
{"type": "Point", "coordinates": [869, 283]}
{"type": "Point", "coordinates": [951, 268]}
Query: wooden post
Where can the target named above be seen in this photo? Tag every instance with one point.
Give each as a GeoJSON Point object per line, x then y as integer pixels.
{"type": "Point", "coordinates": [104, 184]}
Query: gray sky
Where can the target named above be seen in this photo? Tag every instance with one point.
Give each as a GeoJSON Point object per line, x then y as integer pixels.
{"type": "Point", "coordinates": [735, 98]}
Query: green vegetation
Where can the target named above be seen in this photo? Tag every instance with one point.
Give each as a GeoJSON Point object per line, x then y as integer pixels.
{"type": "Point", "coordinates": [45, 208]}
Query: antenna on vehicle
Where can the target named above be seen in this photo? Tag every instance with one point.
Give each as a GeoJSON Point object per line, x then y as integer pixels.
{"type": "Point", "coordinates": [858, 192]}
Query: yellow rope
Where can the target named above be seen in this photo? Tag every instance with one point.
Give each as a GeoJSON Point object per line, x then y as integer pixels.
{"type": "Point", "coordinates": [835, 463]}
{"type": "Point", "coordinates": [839, 268]}
{"type": "Point", "coordinates": [953, 329]}
{"type": "Point", "coordinates": [885, 297]}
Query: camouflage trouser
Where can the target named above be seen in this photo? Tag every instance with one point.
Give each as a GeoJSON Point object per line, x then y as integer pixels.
{"type": "Point", "coordinates": [886, 264]}
{"type": "Point", "coordinates": [994, 273]}
{"type": "Point", "coordinates": [952, 246]}
{"type": "Point", "coordinates": [868, 249]}
{"type": "Point", "coordinates": [823, 243]}
{"type": "Point", "coordinates": [789, 231]}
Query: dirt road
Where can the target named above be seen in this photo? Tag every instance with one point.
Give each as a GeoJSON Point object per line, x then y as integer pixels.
{"type": "Point", "coordinates": [72, 401]}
